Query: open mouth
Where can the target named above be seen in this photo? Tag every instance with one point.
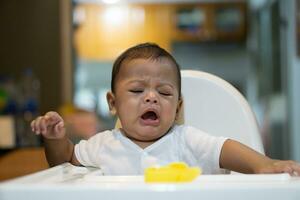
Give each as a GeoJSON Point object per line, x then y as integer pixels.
{"type": "Point", "coordinates": [150, 118]}
{"type": "Point", "coordinates": [150, 115]}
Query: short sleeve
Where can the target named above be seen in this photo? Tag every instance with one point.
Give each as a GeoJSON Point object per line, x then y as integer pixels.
{"type": "Point", "coordinates": [206, 149]}
{"type": "Point", "coordinates": [87, 152]}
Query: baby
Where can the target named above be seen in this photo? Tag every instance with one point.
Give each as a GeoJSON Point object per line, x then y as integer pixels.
{"type": "Point", "coordinates": [146, 97]}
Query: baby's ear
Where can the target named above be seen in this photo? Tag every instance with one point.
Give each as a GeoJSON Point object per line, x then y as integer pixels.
{"type": "Point", "coordinates": [179, 119]}
{"type": "Point", "coordinates": [179, 105]}
{"type": "Point", "coordinates": [110, 97]}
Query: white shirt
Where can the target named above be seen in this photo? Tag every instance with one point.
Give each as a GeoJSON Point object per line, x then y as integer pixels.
{"type": "Point", "coordinates": [115, 154]}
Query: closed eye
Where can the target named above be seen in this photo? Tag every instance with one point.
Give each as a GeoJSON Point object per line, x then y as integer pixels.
{"type": "Point", "coordinates": [165, 93]}
{"type": "Point", "coordinates": [136, 91]}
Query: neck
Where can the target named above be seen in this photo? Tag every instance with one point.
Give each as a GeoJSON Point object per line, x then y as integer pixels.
{"type": "Point", "coordinates": [141, 143]}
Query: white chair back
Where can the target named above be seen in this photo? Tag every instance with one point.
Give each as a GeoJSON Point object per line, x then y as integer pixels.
{"type": "Point", "coordinates": [216, 107]}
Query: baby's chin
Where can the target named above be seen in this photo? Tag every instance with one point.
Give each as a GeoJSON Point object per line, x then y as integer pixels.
{"type": "Point", "coordinates": [145, 134]}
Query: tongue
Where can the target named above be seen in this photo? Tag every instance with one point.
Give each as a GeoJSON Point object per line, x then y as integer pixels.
{"type": "Point", "coordinates": [149, 115]}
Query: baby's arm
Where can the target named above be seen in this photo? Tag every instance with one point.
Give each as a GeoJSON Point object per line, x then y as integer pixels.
{"type": "Point", "coordinates": [58, 148]}
{"type": "Point", "coordinates": [238, 157]}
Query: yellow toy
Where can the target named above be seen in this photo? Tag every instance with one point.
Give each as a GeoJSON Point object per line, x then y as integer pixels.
{"type": "Point", "coordinates": [177, 172]}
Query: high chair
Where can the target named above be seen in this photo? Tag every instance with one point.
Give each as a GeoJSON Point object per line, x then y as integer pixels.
{"type": "Point", "coordinates": [216, 107]}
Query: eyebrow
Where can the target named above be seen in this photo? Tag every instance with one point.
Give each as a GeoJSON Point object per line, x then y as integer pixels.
{"type": "Point", "coordinates": [163, 83]}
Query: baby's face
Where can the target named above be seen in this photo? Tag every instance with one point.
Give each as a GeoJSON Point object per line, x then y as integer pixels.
{"type": "Point", "coordinates": [146, 98]}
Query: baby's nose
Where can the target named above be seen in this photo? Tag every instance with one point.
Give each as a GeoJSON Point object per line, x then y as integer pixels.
{"type": "Point", "coordinates": [151, 97]}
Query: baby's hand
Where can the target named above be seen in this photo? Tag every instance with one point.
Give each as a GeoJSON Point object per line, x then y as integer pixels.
{"type": "Point", "coordinates": [51, 125]}
{"type": "Point", "coordinates": [281, 166]}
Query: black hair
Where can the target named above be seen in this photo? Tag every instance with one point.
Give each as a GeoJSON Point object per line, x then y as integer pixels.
{"type": "Point", "coordinates": [146, 51]}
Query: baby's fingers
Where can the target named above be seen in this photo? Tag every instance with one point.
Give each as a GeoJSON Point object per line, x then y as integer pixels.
{"type": "Point", "coordinates": [291, 167]}
{"type": "Point", "coordinates": [296, 169]}
{"type": "Point", "coordinates": [33, 126]}
{"type": "Point", "coordinates": [59, 127]}
{"type": "Point", "coordinates": [39, 125]}
{"type": "Point", "coordinates": [53, 117]}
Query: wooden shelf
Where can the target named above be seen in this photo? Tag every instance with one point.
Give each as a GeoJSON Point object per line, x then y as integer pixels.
{"type": "Point", "coordinates": [216, 22]}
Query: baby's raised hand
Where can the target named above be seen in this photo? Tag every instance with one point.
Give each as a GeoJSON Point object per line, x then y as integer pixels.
{"type": "Point", "coordinates": [51, 125]}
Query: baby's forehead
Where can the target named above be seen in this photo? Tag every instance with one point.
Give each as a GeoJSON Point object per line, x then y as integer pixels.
{"type": "Point", "coordinates": [148, 67]}
{"type": "Point", "coordinates": [162, 62]}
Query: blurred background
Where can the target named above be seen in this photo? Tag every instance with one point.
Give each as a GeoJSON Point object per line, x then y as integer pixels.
{"type": "Point", "coordinates": [58, 54]}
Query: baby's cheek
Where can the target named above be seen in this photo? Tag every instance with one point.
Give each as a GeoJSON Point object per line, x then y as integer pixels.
{"type": "Point", "coordinates": [170, 114]}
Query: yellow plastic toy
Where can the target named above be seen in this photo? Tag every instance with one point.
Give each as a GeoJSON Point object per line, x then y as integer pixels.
{"type": "Point", "coordinates": [177, 172]}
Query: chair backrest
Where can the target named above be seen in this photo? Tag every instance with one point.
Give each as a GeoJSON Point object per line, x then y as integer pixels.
{"type": "Point", "coordinates": [216, 107]}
